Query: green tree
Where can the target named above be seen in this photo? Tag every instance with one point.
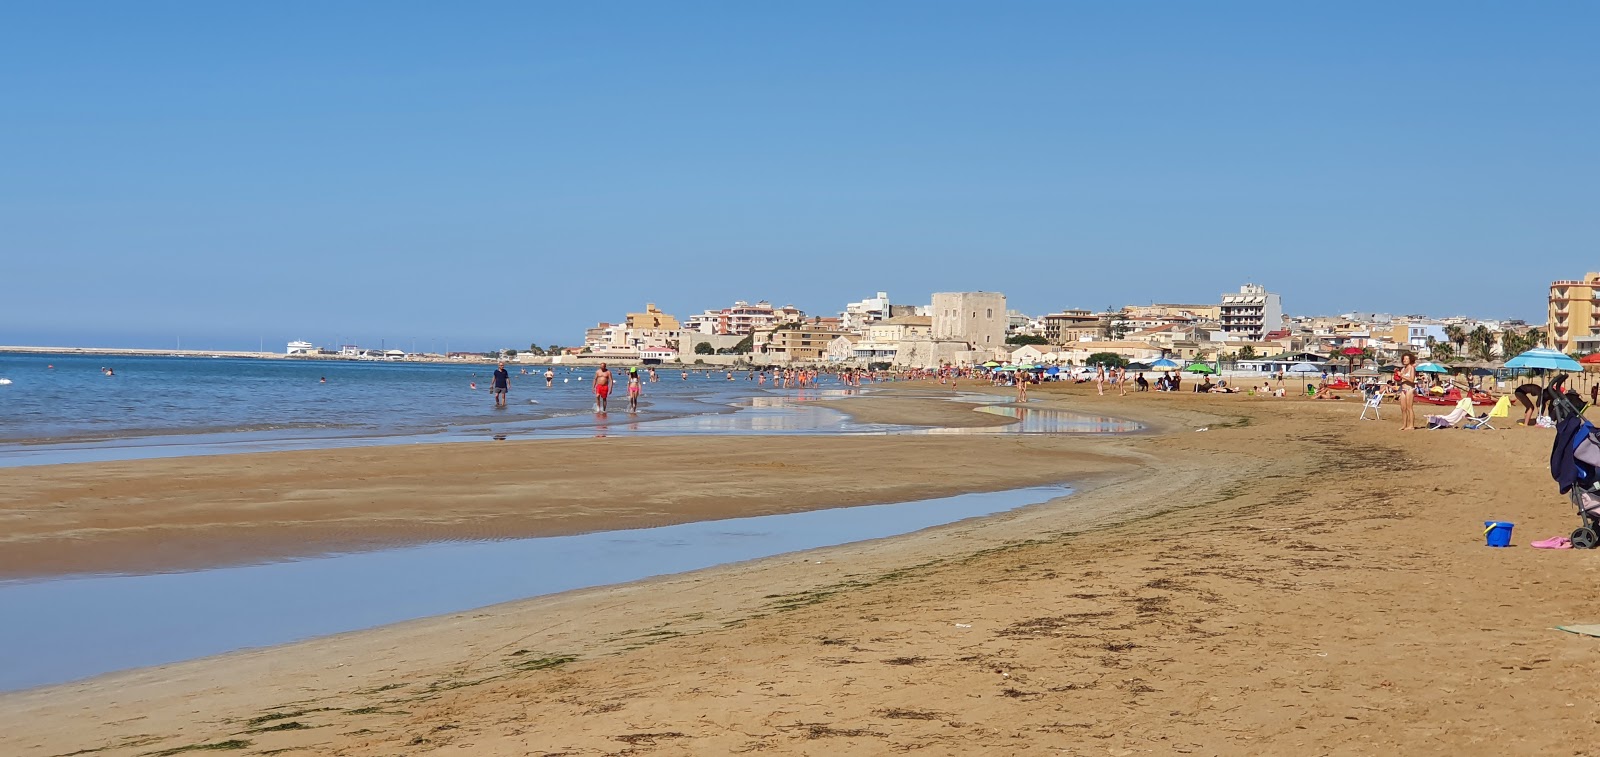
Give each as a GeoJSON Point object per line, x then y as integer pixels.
{"type": "Point", "coordinates": [511, 354]}
{"type": "Point", "coordinates": [1481, 343]}
{"type": "Point", "coordinates": [1113, 325]}
{"type": "Point", "coordinates": [1247, 353]}
{"type": "Point", "coordinates": [1107, 359]}
{"type": "Point", "coordinates": [704, 348]}
{"type": "Point", "coordinates": [1442, 352]}
{"type": "Point", "coordinates": [745, 345]}
{"type": "Point", "coordinates": [1456, 335]}
{"type": "Point", "coordinates": [1017, 340]}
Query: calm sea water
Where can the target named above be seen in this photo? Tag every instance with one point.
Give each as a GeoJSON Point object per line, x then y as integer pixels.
{"type": "Point", "coordinates": [66, 398]}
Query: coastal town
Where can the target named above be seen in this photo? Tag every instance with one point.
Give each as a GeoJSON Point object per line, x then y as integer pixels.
{"type": "Point", "coordinates": [1248, 330]}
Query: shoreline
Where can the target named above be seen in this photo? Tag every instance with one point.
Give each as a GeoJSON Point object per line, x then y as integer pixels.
{"type": "Point", "coordinates": [1294, 580]}
{"type": "Point", "coordinates": [201, 511]}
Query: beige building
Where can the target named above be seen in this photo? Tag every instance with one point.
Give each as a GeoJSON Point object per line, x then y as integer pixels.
{"type": "Point", "coordinates": [795, 343]}
{"type": "Point", "coordinates": [977, 318]}
{"type": "Point", "coordinates": [652, 319]}
{"type": "Point", "coordinates": [900, 328]}
{"type": "Point", "coordinates": [1071, 326]}
{"type": "Point", "coordinates": [1574, 320]}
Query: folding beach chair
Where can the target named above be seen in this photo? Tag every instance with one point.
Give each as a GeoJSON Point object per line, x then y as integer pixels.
{"type": "Point", "coordinates": [1374, 400]}
{"type": "Point", "coordinates": [1501, 409]}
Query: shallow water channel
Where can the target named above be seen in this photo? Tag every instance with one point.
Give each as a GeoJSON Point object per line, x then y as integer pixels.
{"type": "Point", "coordinates": [58, 630]}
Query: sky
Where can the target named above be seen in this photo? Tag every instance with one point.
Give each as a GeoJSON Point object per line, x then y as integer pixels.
{"type": "Point", "coordinates": [494, 174]}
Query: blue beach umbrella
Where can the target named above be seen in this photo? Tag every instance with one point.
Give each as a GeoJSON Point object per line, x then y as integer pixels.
{"type": "Point", "coordinates": [1544, 358]}
{"type": "Point", "coordinates": [1052, 370]}
{"type": "Point", "coordinates": [1432, 368]}
{"type": "Point", "coordinates": [1163, 365]}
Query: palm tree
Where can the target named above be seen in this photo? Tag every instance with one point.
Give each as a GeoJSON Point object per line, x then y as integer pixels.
{"type": "Point", "coordinates": [1456, 335]}
{"type": "Point", "coordinates": [1482, 343]}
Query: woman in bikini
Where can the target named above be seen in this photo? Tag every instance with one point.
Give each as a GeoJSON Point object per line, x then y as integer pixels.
{"type": "Point", "coordinates": [1406, 376]}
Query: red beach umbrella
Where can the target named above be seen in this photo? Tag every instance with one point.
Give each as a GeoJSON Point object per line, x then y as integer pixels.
{"type": "Point", "coordinates": [1352, 353]}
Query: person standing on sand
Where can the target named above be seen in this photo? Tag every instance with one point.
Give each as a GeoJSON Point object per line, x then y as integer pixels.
{"type": "Point", "coordinates": [1406, 377]}
{"type": "Point", "coordinates": [1100, 379]}
{"type": "Point", "coordinates": [502, 384]}
{"type": "Point", "coordinates": [1122, 381]}
{"type": "Point", "coordinates": [602, 387]}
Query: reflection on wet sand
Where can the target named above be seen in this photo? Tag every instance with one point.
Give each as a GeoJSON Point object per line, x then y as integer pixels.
{"type": "Point", "coordinates": [69, 633]}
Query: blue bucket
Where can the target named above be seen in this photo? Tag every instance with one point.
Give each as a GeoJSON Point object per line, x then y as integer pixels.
{"type": "Point", "coordinates": [1498, 532]}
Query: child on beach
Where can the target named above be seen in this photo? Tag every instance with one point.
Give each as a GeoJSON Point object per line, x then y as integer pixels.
{"type": "Point", "coordinates": [633, 390]}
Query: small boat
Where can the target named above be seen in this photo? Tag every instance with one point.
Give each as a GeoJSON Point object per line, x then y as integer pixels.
{"type": "Point", "coordinates": [1450, 398]}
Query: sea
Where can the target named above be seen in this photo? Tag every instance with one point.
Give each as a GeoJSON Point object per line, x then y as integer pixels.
{"type": "Point", "coordinates": [65, 408]}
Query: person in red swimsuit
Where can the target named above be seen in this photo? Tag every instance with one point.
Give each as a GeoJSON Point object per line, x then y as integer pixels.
{"type": "Point", "coordinates": [602, 388]}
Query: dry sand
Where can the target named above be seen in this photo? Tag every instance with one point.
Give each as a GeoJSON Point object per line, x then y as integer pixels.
{"type": "Point", "coordinates": [1291, 581]}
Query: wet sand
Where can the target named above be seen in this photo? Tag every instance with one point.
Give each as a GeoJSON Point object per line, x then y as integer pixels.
{"type": "Point", "coordinates": [1290, 581]}
{"type": "Point", "coordinates": [167, 514]}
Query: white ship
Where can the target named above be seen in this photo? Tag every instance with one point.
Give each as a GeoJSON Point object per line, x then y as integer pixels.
{"type": "Point", "coordinates": [302, 348]}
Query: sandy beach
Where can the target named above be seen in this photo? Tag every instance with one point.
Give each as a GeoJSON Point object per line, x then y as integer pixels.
{"type": "Point", "coordinates": [1289, 580]}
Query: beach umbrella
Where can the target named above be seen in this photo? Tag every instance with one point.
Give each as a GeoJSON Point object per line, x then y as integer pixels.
{"type": "Point", "coordinates": [1592, 358]}
{"type": "Point", "coordinates": [1305, 368]}
{"type": "Point", "coordinates": [1353, 354]}
{"type": "Point", "coordinates": [1163, 365]}
{"type": "Point", "coordinates": [991, 364]}
{"type": "Point", "coordinates": [1432, 368]}
{"type": "Point", "coordinates": [1200, 368]}
{"type": "Point", "coordinates": [1545, 358]}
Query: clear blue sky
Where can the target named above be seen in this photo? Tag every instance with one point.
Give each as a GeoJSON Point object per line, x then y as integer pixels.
{"type": "Point", "coordinates": [498, 173]}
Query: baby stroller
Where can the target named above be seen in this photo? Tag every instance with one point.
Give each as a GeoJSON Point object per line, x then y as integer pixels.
{"type": "Point", "coordinates": [1575, 465]}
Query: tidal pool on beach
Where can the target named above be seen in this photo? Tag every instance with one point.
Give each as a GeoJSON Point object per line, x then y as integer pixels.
{"type": "Point", "coordinates": [65, 629]}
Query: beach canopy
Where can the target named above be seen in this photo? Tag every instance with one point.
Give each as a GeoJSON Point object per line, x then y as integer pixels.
{"type": "Point", "coordinates": [1432, 368]}
{"type": "Point", "coordinates": [1200, 368]}
{"type": "Point", "coordinates": [1544, 357]}
{"type": "Point", "coordinates": [1305, 368]}
{"type": "Point", "coordinates": [1163, 365]}
{"type": "Point", "coordinates": [1590, 359]}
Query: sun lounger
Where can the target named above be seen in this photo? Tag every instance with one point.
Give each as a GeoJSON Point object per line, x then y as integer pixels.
{"type": "Point", "coordinates": [1501, 409]}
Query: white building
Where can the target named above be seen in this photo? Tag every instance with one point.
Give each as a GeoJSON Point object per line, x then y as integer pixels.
{"type": "Point", "coordinates": [1251, 313]}
{"type": "Point", "coordinates": [858, 315]}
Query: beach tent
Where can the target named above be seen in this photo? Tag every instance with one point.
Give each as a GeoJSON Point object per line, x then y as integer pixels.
{"type": "Point", "coordinates": [1200, 368]}
{"type": "Point", "coordinates": [1544, 358]}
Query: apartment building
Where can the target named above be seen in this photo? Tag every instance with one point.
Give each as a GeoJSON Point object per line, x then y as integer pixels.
{"type": "Point", "coordinates": [1250, 314]}
{"type": "Point", "coordinates": [1574, 323]}
{"type": "Point", "coordinates": [1071, 326]}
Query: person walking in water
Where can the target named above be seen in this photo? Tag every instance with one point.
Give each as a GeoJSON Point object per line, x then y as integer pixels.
{"type": "Point", "coordinates": [549, 377]}
{"type": "Point", "coordinates": [602, 387]}
{"type": "Point", "coordinates": [502, 384]}
{"type": "Point", "coordinates": [634, 388]}
{"type": "Point", "coordinates": [1406, 377]}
